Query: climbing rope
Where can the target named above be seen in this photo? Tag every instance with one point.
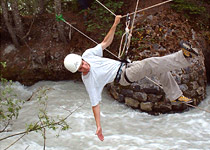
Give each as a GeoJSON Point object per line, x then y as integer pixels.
{"type": "Point", "coordinates": [128, 34]}
{"type": "Point", "coordinates": [137, 10]}
{"type": "Point", "coordinates": [106, 8]}
{"type": "Point", "coordinates": [122, 51]}
{"type": "Point", "coordinates": [149, 7]}
{"type": "Point", "coordinates": [131, 30]}
{"type": "Point", "coordinates": [197, 107]}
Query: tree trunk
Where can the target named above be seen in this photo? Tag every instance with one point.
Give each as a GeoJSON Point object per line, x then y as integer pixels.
{"type": "Point", "coordinates": [59, 24]}
{"type": "Point", "coordinates": [41, 8]}
{"type": "Point", "coordinates": [9, 26]}
{"type": "Point", "coordinates": [17, 18]}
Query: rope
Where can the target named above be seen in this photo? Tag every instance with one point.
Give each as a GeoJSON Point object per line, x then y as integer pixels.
{"type": "Point", "coordinates": [197, 107]}
{"type": "Point", "coordinates": [154, 82]}
{"type": "Point", "coordinates": [130, 34]}
{"type": "Point", "coordinates": [149, 7]}
{"type": "Point", "coordinates": [87, 37]}
{"type": "Point", "coordinates": [121, 52]}
{"type": "Point", "coordinates": [106, 8]}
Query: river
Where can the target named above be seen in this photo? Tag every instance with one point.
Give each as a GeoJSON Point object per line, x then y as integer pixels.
{"type": "Point", "coordinates": [123, 128]}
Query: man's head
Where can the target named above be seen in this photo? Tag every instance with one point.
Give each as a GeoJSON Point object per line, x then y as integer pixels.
{"type": "Point", "coordinates": [72, 62]}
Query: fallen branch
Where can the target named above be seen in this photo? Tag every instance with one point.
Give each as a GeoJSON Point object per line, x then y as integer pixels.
{"type": "Point", "coordinates": [41, 127]}
{"type": "Point", "coordinates": [28, 30]}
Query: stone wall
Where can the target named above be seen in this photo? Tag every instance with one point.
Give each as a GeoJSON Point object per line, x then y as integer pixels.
{"type": "Point", "coordinates": [149, 97]}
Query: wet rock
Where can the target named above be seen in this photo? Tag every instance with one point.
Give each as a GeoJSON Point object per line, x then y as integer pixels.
{"type": "Point", "coordinates": [146, 106]}
{"type": "Point", "coordinates": [162, 107]}
{"type": "Point", "coordinates": [176, 106]}
{"type": "Point", "coordinates": [121, 98]}
{"type": "Point", "coordinates": [132, 102]}
{"type": "Point", "coordinates": [114, 93]}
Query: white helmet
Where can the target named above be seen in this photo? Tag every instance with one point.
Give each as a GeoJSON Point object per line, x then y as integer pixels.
{"type": "Point", "coordinates": [72, 62]}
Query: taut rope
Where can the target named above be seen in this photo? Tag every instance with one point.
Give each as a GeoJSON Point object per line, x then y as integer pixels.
{"type": "Point", "coordinates": [61, 18]}
{"type": "Point", "coordinates": [106, 8]}
{"type": "Point", "coordinates": [149, 7]}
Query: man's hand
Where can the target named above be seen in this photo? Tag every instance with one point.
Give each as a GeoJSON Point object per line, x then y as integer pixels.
{"type": "Point", "coordinates": [117, 19]}
{"type": "Point", "coordinates": [96, 112]}
{"type": "Point", "coordinates": [99, 133]}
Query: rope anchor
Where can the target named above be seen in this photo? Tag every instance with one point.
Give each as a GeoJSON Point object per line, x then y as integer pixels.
{"type": "Point", "coordinates": [59, 17]}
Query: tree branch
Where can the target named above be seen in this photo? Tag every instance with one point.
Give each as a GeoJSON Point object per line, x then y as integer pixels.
{"type": "Point", "coordinates": [41, 127]}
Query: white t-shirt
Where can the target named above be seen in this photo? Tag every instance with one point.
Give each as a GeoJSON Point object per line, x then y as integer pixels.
{"type": "Point", "coordinates": [102, 71]}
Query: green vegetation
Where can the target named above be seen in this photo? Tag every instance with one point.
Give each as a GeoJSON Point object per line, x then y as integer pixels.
{"type": "Point", "coordinates": [10, 105]}
{"type": "Point", "coordinates": [9, 102]}
{"type": "Point", "coordinates": [194, 10]}
{"type": "Point", "coordinates": [189, 8]}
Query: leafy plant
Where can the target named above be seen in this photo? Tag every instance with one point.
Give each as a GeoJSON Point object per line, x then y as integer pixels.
{"type": "Point", "coordinates": [188, 7]}
{"type": "Point", "coordinates": [10, 104]}
{"type": "Point", "coordinates": [195, 11]}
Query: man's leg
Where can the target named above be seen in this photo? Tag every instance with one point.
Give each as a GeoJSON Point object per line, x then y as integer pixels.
{"type": "Point", "coordinates": [155, 66]}
{"type": "Point", "coordinates": [170, 86]}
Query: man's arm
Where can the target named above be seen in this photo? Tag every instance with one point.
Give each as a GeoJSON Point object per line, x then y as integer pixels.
{"type": "Point", "coordinates": [96, 112]}
{"type": "Point", "coordinates": [109, 37]}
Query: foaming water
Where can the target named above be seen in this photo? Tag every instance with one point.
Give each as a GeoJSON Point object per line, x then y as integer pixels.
{"type": "Point", "coordinates": [123, 128]}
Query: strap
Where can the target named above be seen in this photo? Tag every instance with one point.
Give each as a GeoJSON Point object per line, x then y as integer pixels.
{"type": "Point", "coordinates": [126, 78]}
{"type": "Point", "coordinates": [119, 72]}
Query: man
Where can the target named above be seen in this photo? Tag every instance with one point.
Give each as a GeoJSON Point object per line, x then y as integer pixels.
{"type": "Point", "coordinates": [97, 71]}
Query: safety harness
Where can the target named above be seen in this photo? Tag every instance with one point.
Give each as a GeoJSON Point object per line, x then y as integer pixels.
{"type": "Point", "coordinates": [123, 52]}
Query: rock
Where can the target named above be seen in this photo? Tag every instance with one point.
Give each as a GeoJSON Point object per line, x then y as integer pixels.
{"type": "Point", "coordinates": [121, 98]}
{"type": "Point", "coordinates": [132, 102]}
{"type": "Point", "coordinates": [114, 93]}
{"type": "Point", "coordinates": [193, 85]}
{"type": "Point", "coordinates": [150, 88]}
{"type": "Point", "coordinates": [178, 79]}
{"type": "Point", "coordinates": [190, 93]}
{"type": "Point", "coordinates": [162, 107]}
{"type": "Point", "coordinates": [154, 98]}
{"type": "Point", "coordinates": [140, 96]}
{"type": "Point", "coordinates": [146, 106]}
{"type": "Point", "coordinates": [135, 87]}
{"type": "Point", "coordinates": [150, 17]}
{"type": "Point", "coordinates": [185, 78]}
{"type": "Point", "coordinates": [176, 106]}
{"type": "Point", "coordinates": [127, 92]}
{"type": "Point", "coordinates": [200, 90]}
{"type": "Point", "coordinates": [183, 87]}
{"type": "Point", "coordinates": [10, 48]}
